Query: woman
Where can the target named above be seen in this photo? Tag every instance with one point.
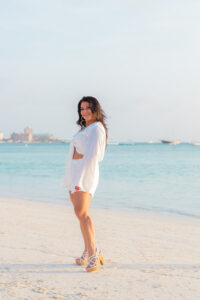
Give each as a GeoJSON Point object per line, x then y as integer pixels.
{"type": "Point", "coordinates": [82, 173]}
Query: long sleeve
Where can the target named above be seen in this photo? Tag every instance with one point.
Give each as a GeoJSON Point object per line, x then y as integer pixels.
{"type": "Point", "coordinates": [94, 153]}
{"type": "Point", "coordinates": [67, 178]}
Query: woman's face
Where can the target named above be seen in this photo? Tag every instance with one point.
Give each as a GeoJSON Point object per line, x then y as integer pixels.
{"type": "Point", "coordinates": [86, 112]}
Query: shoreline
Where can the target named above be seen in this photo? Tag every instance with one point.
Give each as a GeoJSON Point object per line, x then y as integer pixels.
{"type": "Point", "coordinates": [142, 210]}
{"type": "Point", "coordinates": [148, 256]}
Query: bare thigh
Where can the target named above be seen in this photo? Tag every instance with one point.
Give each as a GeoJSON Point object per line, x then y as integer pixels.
{"type": "Point", "coordinates": [81, 201]}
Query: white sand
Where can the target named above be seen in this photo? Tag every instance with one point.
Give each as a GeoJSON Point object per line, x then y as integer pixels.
{"type": "Point", "coordinates": [149, 256]}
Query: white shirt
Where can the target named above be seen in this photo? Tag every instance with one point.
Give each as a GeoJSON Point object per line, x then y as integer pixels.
{"type": "Point", "coordinates": [90, 142]}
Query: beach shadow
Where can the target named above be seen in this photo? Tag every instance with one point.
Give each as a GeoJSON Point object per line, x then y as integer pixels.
{"type": "Point", "coordinates": [73, 268]}
{"type": "Point", "coordinates": [41, 268]}
{"type": "Point", "coordinates": [151, 267]}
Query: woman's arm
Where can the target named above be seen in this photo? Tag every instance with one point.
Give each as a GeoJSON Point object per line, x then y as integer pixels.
{"type": "Point", "coordinates": [94, 152]}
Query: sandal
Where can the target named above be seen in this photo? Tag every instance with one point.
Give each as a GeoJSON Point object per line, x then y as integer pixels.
{"type": "Point", "coordinates": [83, 260]}
{"type": "Point", "coordinates": [94, 261]}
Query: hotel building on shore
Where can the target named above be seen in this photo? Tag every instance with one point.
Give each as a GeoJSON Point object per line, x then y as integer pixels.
{"type": "Point", "coordinates": [44, 137]}
{"type": "Point", "coordinates": [27, 136]}
{"type": "Point", "coordinates": [1, 136]}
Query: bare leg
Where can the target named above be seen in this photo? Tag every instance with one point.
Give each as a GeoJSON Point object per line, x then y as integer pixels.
{"type": "Point", "coordinates": [81, 202]}
{"type": "Point", "coordinates": [84, 236]}
{"type": "Point", "coordinates": [87, 223]}
{"type": "Point", "coordinates": [83, 231]}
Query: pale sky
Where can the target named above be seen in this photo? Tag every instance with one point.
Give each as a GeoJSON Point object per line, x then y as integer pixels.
{"type": "Point", "coordinates": [139, 58]}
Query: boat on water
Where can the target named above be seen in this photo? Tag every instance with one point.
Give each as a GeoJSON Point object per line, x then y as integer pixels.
{"type": "Point", "coordinates": [176, 142]}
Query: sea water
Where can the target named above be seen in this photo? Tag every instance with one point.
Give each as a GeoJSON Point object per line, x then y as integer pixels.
{"type": "Point", "coordinates": [137, 175]}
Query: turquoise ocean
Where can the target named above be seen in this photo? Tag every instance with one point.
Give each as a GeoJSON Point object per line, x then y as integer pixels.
{"type": "Point", "coordinates": [153, 177]}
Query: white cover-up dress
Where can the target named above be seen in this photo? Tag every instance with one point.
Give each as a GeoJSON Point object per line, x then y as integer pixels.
{"type": "Point", "coordinates": [84, 172]}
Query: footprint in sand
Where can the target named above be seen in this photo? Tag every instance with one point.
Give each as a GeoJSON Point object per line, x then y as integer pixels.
{"type": "Point", "coordinates": [40, 290]}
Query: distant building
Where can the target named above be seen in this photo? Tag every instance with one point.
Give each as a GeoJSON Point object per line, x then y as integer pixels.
{"type": "Point", "coordinates": [1, 135]}
{"type": "Point", "coordinates": [29, 132]}
{"type": "Point", "coordinates": [15, 137]}
{"type": "Point", "coordinates": [27, 136]}
{"type": "Point", "coordinates": [45, 137]}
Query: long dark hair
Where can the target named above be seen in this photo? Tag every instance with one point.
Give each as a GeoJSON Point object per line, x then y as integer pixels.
{"type": "Point", "coordinates": [95, 108]}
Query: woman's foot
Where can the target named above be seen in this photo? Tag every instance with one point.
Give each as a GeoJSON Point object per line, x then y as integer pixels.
{"type": "Point", "coordinates": [83, 260]}
{"type": "Point", "coordinates": [94, 261]}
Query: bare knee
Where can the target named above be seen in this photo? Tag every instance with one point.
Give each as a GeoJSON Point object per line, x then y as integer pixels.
{"type": "Point", "coordinates": [81, 202]}
{"type": "Point", "coordinates": [82, 216]}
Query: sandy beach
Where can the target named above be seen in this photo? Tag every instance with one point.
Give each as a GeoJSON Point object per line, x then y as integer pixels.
{"type": "Point", "coordinates": [149, 255]}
